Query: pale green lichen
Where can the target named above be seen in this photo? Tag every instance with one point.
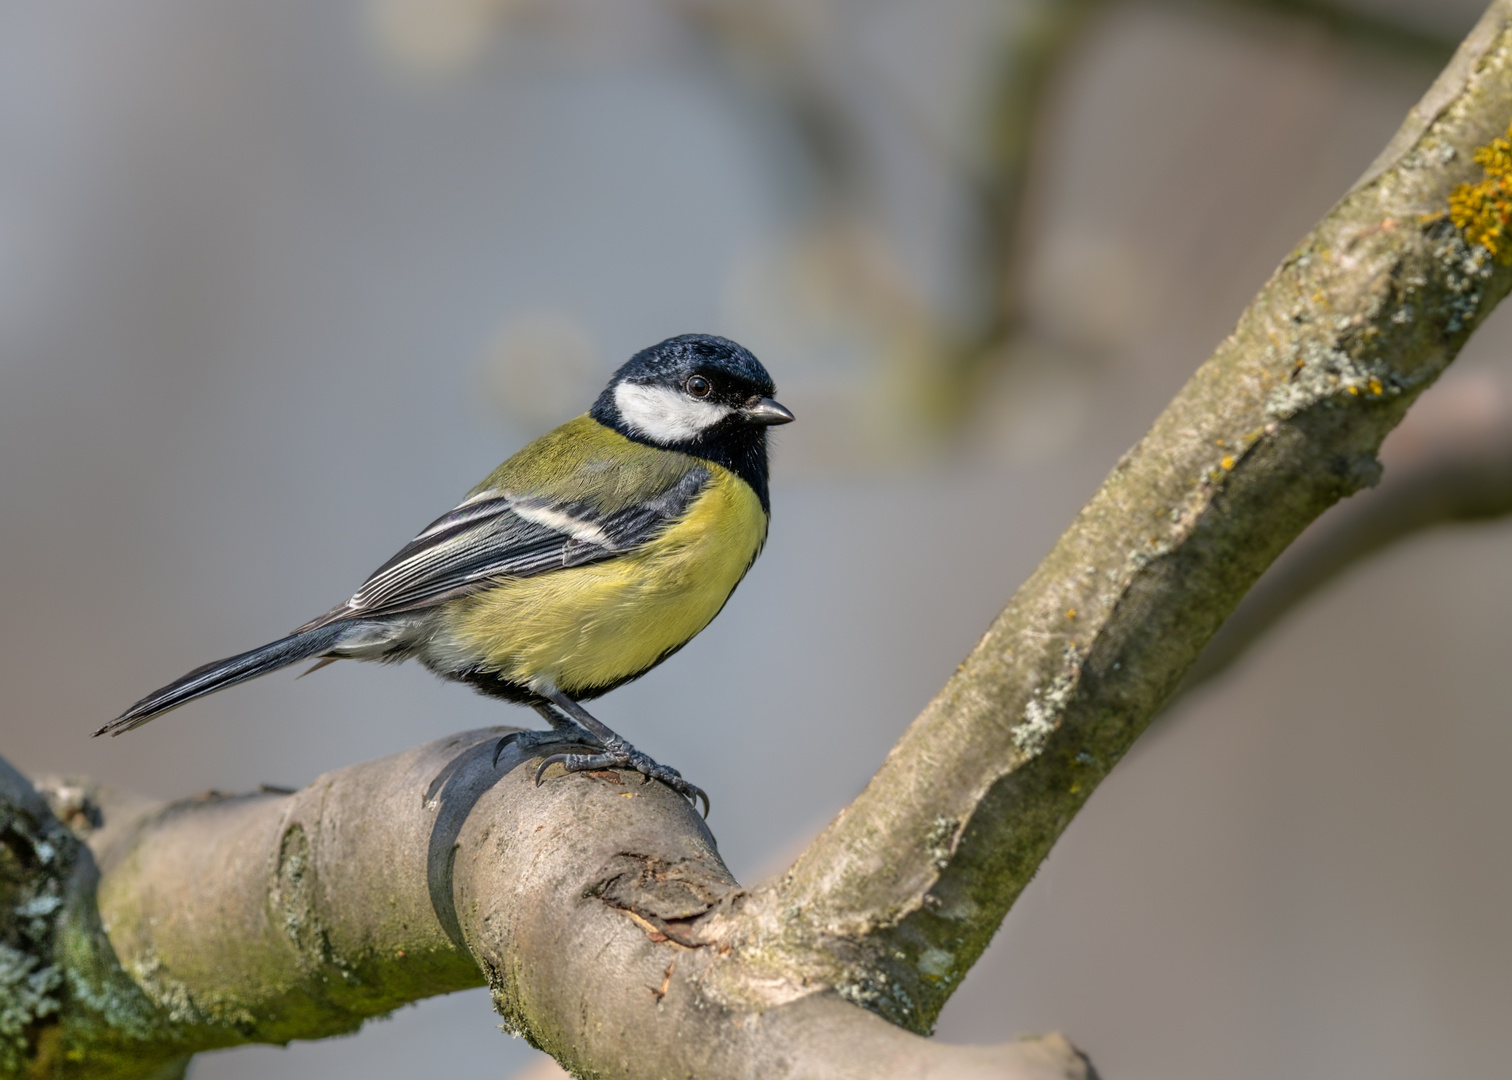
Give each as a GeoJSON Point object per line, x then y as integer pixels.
{"type": "Point", "coordinates": [105, 998]}
{"type": "Point", "coordinates": [873, 990]}
{"type": "Point", "coordinates": [936, 964]}
{"type": "Point", "coordinates": [1322, 372]}
{"type": "Point", "coordinates": [28, 993]}
{"type": "Point", "coordinates": [941, 840]}
{"type": "Point", "coordinates": [963, 909]}
{"type": "Point", "coordinates": [1467, 269]}
{"type": "Point", "coordinates": [180, 1005]}
{"type": "Point", "coordinates": [1043, 710]}
{"type": "Point", "coordinates": [33, 863]}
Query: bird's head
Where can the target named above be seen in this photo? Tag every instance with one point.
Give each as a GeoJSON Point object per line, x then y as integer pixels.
{"type": "Point", "coordinates": [691, 392]}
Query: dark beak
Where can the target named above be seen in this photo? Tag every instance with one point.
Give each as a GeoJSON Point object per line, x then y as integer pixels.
{"type": "Point", "coordinates": [766, 412]}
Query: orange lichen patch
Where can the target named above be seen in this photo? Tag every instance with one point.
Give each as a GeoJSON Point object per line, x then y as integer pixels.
{"type": "Point", "coordinates": [1483, 210]}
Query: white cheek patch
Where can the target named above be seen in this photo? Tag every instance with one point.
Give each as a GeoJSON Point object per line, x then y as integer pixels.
{"type": "Point", "coordinates": [664, 414]}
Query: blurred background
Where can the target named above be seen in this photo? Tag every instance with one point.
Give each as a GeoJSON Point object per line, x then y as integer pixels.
{"type": "Point", "coordinates": [280, 281]}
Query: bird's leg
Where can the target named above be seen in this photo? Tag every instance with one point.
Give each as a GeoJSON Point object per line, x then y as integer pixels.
{"type": "Point", "coordinates": [564, 729]}
{"type": "Point", "coordinates": [564, 725]}
{"type": "Point", "coordinates": [617, 753]}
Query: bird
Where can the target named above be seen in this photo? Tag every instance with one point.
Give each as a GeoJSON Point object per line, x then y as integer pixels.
{"type": "Point", "coordinates": [581, 563]}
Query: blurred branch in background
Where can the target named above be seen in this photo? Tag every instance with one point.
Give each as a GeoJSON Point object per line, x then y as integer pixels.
{"type": "Point", "coordinates": [939, 358]}
{"type": "Point", "coordinates": [1450, 462]}
{"type": "Point", "coordinates": [1047, 34]}
{"type": "Point", "coordinates": [1034, 56]}
{"type": "Point", "coordinates": [1357, 25]}
{"type": "Point", "coordinates": [930, 357]}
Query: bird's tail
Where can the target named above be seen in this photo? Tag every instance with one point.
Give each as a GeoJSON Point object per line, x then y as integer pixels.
{"type": "Point", "coordinates": [223, 673]}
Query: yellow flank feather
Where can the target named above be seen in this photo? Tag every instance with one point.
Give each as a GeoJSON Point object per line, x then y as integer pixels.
{"type": "Point", "coordinates": [590, 627]}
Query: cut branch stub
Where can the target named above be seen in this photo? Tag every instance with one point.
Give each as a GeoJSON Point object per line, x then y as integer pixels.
{"type": "Point", "coordinates": [894, 902]}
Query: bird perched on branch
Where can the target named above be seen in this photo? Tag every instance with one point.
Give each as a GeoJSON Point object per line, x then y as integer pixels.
{"type": "Point", "coordinates": [579, 564]}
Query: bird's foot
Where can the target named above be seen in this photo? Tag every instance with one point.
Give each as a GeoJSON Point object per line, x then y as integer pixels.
{"type": "Point", "coordinates": [618, 754]}
{"type": "Point", "coordinates": [530, 741]}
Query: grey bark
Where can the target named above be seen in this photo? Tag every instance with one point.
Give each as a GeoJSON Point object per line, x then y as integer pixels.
{"type": "Point", "coordinates": [221, 920]}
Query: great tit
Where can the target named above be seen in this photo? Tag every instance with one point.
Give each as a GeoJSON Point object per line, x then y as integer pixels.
{"type": "Point", "coordinates": [581, 563]}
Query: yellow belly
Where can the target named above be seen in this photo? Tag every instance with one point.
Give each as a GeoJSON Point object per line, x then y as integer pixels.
{"type": "Point", "coordinates": [590, 627]}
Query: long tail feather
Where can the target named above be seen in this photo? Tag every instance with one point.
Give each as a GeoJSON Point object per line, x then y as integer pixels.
{"type": "Point", "coordinates": [224, 673]}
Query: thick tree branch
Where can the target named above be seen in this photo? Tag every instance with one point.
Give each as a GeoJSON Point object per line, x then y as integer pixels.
{"type": "Point", "coordinates": [898, 897]}
{"type": "Point", "coordinates": [267, 917]}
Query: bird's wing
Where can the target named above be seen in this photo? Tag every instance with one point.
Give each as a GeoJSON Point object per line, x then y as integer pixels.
{"type": "Point", "coordinates": [495, 534]}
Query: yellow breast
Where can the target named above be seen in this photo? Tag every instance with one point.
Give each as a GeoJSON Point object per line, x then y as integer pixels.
{"type": "Point", "coordinates": [591, 627]}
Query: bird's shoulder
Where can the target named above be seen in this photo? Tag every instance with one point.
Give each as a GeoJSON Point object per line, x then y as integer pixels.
{"type": "Point", "coordinates": [588, 464]}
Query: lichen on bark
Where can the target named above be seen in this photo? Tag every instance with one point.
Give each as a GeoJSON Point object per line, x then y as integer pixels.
{"type": "Point", "coordinates": [36, 856]}
{"type": "Point", "coordinates": [1282, 421]}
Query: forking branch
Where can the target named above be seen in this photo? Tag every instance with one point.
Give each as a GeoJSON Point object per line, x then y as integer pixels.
{"type": "Point", "coordinates": [598, 910]}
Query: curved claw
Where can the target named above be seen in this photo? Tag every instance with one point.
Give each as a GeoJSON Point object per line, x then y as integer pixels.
{"type": "Point", "coordinates": [548, 762]}
{"type": "Point", "coordinates": [501, 744]}
{"type": "Point", "coordinates": [635, 761]}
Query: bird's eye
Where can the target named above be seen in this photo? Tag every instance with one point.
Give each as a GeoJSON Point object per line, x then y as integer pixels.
{"type": "Point", "coordinates": [698, 386]}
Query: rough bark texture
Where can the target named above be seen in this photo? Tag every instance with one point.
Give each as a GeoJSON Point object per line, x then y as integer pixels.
{"type": "Point", "coordinates": [900, 895]}
{"type": "Point", "coordinates": [597, 908]}
{"type": "Point", "coordinates": [220, 920]}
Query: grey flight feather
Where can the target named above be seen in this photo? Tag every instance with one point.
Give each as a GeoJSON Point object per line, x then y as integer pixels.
{"type": "Point", "coordinates": [499, 535]}
{"type": "Point", "coordinates": [223, 673]}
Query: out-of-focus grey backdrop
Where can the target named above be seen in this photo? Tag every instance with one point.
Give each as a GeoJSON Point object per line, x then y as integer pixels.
{"type": "Point", "coordinates": [280, 281]}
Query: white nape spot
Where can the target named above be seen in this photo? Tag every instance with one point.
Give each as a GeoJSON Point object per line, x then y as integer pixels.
{"type": "Point", "coordinates": [665, 414]}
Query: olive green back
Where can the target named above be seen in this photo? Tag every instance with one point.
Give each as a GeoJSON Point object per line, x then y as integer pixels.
{"type": "Point", "coordinates": [585, 462]}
